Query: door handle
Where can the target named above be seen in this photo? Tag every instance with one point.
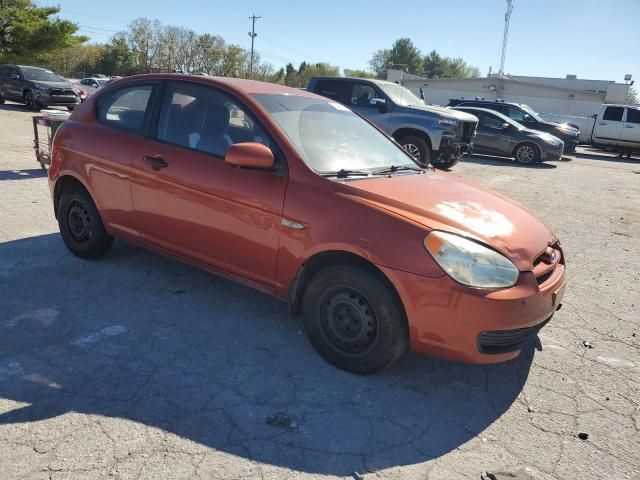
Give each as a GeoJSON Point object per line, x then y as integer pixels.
{"type": "Point", "coordinates": [155, 162]}
{"type": "Point", "coordinates": [602, 123]}
{"type": "Point", "coordinates": [628, 126]}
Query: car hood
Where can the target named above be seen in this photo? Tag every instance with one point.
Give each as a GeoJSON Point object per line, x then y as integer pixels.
{"type": "Point", "coordinates": [565, 128]}
{"type": "Point", "coordinates": [443, 201]}
{"type": "Point", "coordinates": [445, 112]}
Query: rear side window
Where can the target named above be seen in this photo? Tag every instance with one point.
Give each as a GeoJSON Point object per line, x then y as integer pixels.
{"type": "Point", "coordinates": [633, 115]}
{"type": "Point", "coordinates": [125, 108]}
{"type": "Point", "coordinates": [333, 89]}
{"type": "Point", "coordinates": [613, 113]}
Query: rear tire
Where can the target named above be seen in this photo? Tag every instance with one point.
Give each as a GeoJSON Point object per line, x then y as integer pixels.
{"type": "Point", "coordinates": [81, 226]}
{"type": "Point", "coordinates": [526, 154]}
{"type": "Point", "coordinates": [353, 320]}
{"type": "Point", "coordinates": [418, 148]}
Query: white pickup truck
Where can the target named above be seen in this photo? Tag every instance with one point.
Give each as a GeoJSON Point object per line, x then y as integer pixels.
{"type": "Point", "coordinates": [616, 127]}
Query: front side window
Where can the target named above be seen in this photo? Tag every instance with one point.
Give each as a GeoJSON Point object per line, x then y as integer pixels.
{"type": "Point", "coordinates": [125, 108]}
{"type": "Point", "coordinates": [518, 115]}
{"type": "Point", "coordinates": [362, 94]}
{"type": "Point", "coordinates": [205, 119]}
{"type": "Point", "coordinates": [491, 121]}
{"type": "Point", "coordinates": [330, 137]}
{"type": "Point", "coordinates": [633, 115]}
{"type": "Point", "coordinates": [613, 114]}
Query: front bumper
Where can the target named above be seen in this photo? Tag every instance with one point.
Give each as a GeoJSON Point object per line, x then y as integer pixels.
{"type": "Point", "coordinates": [552, 153]}
{"type": "Point", "coordinates": [459, 323]}
{"type": "Point", "coordinates": [449, 148]}
{"type": "Point", "coordinates": [46, 100]}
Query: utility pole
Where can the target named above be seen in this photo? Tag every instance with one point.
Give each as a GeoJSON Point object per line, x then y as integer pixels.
{"type": "Point", "coordinates": [253, 35]}
{"type": "Point", "coordinates": [507, 19]}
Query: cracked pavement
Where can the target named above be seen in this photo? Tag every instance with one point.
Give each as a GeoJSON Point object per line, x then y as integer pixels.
{"type": "Point", "coordinates": [135, 366]}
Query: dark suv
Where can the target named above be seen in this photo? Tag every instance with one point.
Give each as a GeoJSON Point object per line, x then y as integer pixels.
{"type": "Point", "coordinates": [36, 87]}
{"type": "Point", "coordinates": [525, 115]}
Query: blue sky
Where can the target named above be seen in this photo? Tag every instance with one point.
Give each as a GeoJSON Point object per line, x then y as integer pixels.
{"type": "Point", "coordinates": [591, 38]}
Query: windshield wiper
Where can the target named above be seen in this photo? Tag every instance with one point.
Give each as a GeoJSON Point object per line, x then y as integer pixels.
{"type": "Point", "coordinates": [344, 173]}
{"type": "Point", "coordinates": [397, 168]}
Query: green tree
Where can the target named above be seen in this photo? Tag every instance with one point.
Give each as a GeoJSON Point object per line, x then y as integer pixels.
{"type": "Point", "coordinates": [632, 96]}
{"type": "Point", "coordinates": [348, 72]}
{"type": "Point", "coordinates": [436, 66]}
{"type": "Point", "coordinates": [402, 54]}
{"type": "Point", "coordinates": [27, 30]}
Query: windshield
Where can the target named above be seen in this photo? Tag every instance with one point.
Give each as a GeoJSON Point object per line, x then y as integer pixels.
{"type": "Point", "coordinates": [39, 74]}
{"type": "Point", "coordinates": [330, 137]}
{"type": "Point", "coordinates": [531, 112]}
{"type": "Point", "coordinates": [400, 95]}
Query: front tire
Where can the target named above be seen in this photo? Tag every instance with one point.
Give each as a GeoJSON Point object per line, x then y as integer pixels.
{"type": "Point", "coordinates": [527, 154]}
{"type": "Point", "coordinates": [81, 226]}
{"type": "Point", "coordinates": [418, 148]}
{"type": "Point", "coordinates": [353, 320]}
{"type": "Point", "coordinates": [30, 101]}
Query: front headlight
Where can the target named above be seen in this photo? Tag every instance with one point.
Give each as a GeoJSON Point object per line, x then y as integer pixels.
{"type": "Point", "coordinates": [469, 262]}
{"type": "Point", "coordinates": [40, 86]}
{"type": "Point", "coordinates": [447, 121]}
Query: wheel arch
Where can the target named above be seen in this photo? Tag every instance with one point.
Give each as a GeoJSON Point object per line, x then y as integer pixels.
{"type": "Point", "coordinates": [407, 131]}
{"type": "Point", "coordinates": [329, 258]}
{"type": "Point", "coordinates": [65, 183]}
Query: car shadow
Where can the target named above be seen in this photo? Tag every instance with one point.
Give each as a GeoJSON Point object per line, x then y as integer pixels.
{"type": "Point", "coordinates": [140, 337]}
{"type": "Point", "coordinates": [15, 107]}
{"type": "Point", "coordinates": [22, 174]}
{"type": "Point", "coordinates": [600, 155]}
{"type": "Point", "coordinates": [505, 161]}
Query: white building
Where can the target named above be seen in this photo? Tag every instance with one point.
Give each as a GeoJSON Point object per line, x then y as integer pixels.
{"type": "Point", "coordinates": [564, 96]}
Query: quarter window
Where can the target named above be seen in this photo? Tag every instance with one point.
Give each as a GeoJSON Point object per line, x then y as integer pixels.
{"type": "Point", "coordinates": [633, 115]}
{"type": "Point", "coordinates": [205, 119]}
{"type": "Point", "coordinates": [125, 108]}
{"type": "Point", "coordinates": [613, 113]}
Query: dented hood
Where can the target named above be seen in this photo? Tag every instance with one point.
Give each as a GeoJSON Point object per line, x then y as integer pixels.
{"type": "Point", "coordinates": [443, 201]}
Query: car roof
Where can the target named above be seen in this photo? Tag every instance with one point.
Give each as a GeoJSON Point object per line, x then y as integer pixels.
{"type": "Point", "coordinates": [502, 116]}
{"type": "Point", "coordinates": [238, 84]}
{"type": "Point", "coordinates": [486, 102]}
{"type": "Point", "coordinates": [346, 79]}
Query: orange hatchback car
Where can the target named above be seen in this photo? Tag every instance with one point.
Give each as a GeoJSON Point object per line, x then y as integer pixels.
{"type": "Point", "coordinates": [297, 196]}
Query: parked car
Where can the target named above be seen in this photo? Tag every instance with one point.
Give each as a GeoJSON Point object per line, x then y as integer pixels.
{"type": "Point", "coordinates": [431, 134]}
{"type": "Point", "coordinates": [91, 84]}
{"type": "Point", "coordinates": [499, 135]}
{"type": "Point", "coordinates": [36, 87]}
{"type": "Point", "coordinates": [617, 127]}
{"type": "Point", "coordinates": [528, 117]}
{"type": "Point", "coordinates": [303, 199]}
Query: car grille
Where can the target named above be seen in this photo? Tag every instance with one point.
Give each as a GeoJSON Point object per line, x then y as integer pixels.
{"type": "Point", "coordinates": [59, 92]}
{"type": "Point", "coordinates": [545, 265]}
{"type": "Point", "coordinates": [465, 131]}
{"type": "Point", "coordinates": [503, 341]}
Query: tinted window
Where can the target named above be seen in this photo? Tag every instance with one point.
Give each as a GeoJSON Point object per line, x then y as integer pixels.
{"type": "Point", "coordinates": [203, 118]}
{"type": "Point", "coordinates": [517, 115]}
{"type": "Point", "coordinates": [333, 89]}
{"type": "Point", "coordinates": [633, 115]}
{"type": "Point", "coordinates": [489, 121]}
{"type": "Point", "coordinates": [613, 113]}
{"type": "Point", "coordinates": [4, 71]}
{"type": "Point", "coordinates": [362, 94]}
{"type": "Point", "coordinates": [125, 108]}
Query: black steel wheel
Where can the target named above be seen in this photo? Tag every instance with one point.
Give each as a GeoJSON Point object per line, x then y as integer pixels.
{"type": "Point", "coordinates": [353, 319]}
{"type": "Point", "coordinates": [81, 226]}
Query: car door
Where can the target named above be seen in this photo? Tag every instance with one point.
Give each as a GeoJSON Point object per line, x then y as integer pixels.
{"type": "Point", "coordinates": [631, 131]}
{"type": "Point", "coordinates": [187, 200]}
{"type": "Point", "coordinates": [491, 136]}
{"type": "Point", "coordinates": [361, 97]}
{"type": "Point", "coordinates": [608, 129]}
{"type": "Point", "coordinates": [14, 85]}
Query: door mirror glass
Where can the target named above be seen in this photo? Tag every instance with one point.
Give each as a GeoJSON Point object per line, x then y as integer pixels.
{"type": "Point", "coordinates": [250, 155]}
{"type": "Point", "coordinates": [381, 103]}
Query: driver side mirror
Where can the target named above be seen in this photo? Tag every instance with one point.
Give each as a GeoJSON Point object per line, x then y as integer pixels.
{"type": "Point", "coordinates": [250, 155]}
{"type": "Point", "coordinates": [15, 76]}
{"type": "Point", "coordinates": [505, 126]}
{"type": "Point", "coordinates": [381, 103]}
